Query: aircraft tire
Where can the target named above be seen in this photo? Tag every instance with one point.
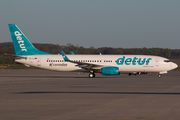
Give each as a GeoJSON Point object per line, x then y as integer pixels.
{"type": "Point", "coordinates": [91, 75]}
{"type": "Point", "coordinates": [159, 75]}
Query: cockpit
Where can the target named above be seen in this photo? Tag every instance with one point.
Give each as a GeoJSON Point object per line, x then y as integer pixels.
{"type": "Point", "coordinates": [167, 61]}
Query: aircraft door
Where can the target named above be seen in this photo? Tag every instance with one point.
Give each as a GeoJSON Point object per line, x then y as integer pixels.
{"type": "Point", "coordinates": [157, 62]}
{"type": "Point", "coordinates": [38, 61]}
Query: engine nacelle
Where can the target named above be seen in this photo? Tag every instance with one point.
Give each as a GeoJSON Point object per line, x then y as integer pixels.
{"type": "Point", "coordinates": [110, 71]}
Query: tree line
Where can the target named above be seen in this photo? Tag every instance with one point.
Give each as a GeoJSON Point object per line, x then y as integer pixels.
{"type": "Point", "coordinates": [7, 47]}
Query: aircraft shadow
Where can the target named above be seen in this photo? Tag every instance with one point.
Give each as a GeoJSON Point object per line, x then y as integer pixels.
{"type": "Point", "coordinates": [118, 93]}
{"type": "Point", "coordinates": [61, 77]}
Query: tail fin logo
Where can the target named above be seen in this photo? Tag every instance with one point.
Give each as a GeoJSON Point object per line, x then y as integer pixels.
{"type": "Point", "coordinates": [20, 40]}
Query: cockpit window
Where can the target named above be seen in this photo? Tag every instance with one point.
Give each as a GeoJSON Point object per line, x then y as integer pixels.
{"type": "Point", "coordinates": [167, 61]}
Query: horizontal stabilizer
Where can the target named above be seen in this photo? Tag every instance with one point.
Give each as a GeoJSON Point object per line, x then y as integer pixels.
{"type": "Point", "coordinates": [15, 56]}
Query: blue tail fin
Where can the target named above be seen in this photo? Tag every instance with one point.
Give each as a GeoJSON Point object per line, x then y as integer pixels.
{"type": "Point", "coordinates": [64, 56]}
{"type": "Point", "coordinates": [72, 53]}
{"type": "Point", "coordinates": [22, 45]}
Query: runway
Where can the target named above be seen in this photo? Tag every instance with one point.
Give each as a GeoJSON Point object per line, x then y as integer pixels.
{"type": "Point", "coordinates": [47, 95]}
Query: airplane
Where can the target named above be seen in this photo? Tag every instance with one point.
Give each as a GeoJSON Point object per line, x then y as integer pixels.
{"type": "Point", "coordinates": [28, 55]}
{"type": "Point", "coordinates": [72, 53]}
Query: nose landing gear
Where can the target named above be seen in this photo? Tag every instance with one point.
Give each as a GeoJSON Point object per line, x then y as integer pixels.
{"type": "Point", "coordinates": [159, 75]}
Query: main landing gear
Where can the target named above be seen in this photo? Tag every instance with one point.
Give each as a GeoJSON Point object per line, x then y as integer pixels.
{"type": "Point", "coordinates": [132, 74]}
{"type": "Point", "coordinates": [91, 75]}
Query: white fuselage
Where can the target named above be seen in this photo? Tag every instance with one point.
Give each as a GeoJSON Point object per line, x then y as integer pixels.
{"type": "Point", "coordinates": [125, 63]}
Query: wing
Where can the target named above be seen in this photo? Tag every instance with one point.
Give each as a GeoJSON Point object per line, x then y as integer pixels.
{"type": "Point", "coordinates": [87, 66]}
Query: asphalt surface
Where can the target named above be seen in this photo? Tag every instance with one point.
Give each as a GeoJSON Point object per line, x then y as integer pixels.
{"type": "Point", "coordinates": [48, 95]}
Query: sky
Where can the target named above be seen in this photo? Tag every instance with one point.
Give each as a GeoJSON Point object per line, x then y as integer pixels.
{"type": "Point", "coordinates": [97, 23]}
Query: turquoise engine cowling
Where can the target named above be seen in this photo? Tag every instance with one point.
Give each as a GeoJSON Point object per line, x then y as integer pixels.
{"type": "Point", "coordinates": [110, 71]}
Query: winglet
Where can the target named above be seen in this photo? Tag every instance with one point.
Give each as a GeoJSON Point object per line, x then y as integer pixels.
{"type": "Point", "coordinates": [64, 56]}
{"type": "Point", "coordinates": [72, 53]}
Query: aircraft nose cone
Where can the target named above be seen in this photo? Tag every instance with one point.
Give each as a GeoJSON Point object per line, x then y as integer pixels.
{"type": "Point", "coordinates": [174, 65]}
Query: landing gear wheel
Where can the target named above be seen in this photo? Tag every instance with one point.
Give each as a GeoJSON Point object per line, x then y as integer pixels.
{"type": "Point", "coordinates": [91, 75]}
{"type": "Point", "coordinates": [159, 75]}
